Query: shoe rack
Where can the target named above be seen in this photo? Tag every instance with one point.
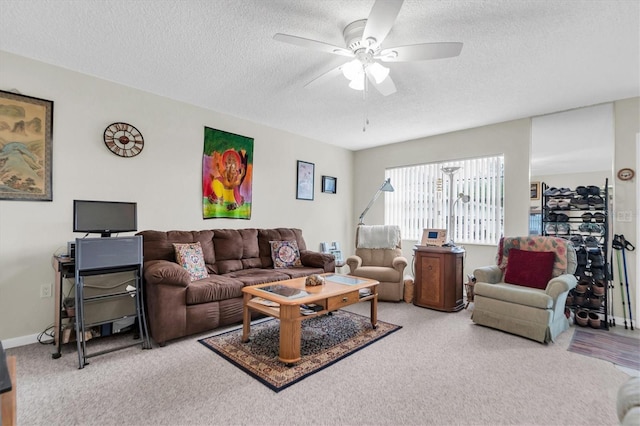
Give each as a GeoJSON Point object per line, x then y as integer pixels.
{"type": "Point", "coordinates": [581, 215]}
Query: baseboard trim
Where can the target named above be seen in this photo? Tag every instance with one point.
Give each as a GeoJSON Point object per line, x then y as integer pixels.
{"type": "Point", "coordinates": [20, 341]}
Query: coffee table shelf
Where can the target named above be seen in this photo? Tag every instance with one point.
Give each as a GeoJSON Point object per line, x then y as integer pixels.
{"type": "Point", "coordinates": [331, 296]}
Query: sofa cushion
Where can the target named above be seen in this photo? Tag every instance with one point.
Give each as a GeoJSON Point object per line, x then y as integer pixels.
{"type": "Point", "coordinates": [514, 294]}
{"type": "Point", "coordinates": [190, 257]}
{"type": "Point", "coordinates": [530, 268]}
{"type": "Point", "coordinates": [213, 288]}
{"type": "Point", "coordinates": [236, 249]}
{"type": "Point", "coordinates": [158, 245]}
{"type": "Point", "coordinates": [285, 254]}
{"type": "Point", "coordinates": [277, 234]}
{"type": "Point", "coordinates": [257, 276]}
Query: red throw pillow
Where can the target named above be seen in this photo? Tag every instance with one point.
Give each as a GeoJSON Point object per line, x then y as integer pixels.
{"type": "Point", "coordinates": [529, 268]}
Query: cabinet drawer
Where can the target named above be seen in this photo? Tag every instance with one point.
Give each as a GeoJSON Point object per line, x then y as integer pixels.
{"type": "Point", "coordinates": [336, 302]}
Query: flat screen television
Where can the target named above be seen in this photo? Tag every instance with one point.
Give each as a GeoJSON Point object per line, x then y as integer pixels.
{"type": "Point", "coordinates": [104, 217]}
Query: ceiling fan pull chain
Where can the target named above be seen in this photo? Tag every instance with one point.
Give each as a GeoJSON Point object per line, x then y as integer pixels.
{"type": "Point", "coordinates": [364, 104]}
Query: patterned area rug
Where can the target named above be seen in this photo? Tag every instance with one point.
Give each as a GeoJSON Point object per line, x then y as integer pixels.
{"type": "Point", "coordinates": [325, 340]}
{"type": "Point", "coordinates": [608, 346]}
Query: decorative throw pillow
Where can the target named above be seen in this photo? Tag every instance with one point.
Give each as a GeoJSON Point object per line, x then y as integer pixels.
{"type": "Point", "coordinates": [190, 257]}
{"type": "Point", "coordinates": [530, 268]}
{"type": "Point", "coordinates": [285, 254]}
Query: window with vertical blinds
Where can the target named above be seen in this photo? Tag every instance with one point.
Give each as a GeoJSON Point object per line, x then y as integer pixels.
{"type": "Point", "coordinates": [421, 199]}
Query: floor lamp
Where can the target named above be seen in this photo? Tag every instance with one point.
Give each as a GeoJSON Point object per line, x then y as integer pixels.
{"type": "Point", "coordinates": [450, 171]}
{"type": "Point", "coordinates": [385, 187]}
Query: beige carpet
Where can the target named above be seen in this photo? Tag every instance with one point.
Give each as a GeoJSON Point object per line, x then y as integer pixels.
{"type": "Point", "coordinates": [439, 369]}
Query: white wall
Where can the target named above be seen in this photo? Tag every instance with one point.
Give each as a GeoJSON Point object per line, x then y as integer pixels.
{"type": "Point", "coordinates": [627, 128]}
{"type": "Point", "coordinates": [165, 179]}
{"type": "Point", "coordinates": [510, 138]}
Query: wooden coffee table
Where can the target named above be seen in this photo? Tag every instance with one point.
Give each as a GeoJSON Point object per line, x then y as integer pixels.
{"type": "Point", "coordinates": [337, 292]}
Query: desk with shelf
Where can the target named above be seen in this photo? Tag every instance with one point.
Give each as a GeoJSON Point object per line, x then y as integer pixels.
{"type": "Point", "coordinates": [113, 270]}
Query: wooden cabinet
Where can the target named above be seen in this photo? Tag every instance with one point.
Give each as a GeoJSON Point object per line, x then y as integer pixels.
{"type": "Point", "coordinates": [439, 274]}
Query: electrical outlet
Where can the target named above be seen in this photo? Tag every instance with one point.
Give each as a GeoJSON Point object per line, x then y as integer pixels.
{"type": "Point", "coordinates": [624, 216]}
{"type": "Point", "coordinates": [45, 290]}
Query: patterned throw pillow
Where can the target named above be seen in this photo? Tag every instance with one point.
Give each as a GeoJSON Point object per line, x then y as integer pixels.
{"type": "Point", "coordinates": [190, 257]}
{"type": "Point", "coordinates": [285, 254]}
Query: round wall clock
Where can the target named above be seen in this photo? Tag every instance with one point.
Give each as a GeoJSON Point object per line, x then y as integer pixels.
{"type": "Point", "coordinates": [123, 139]}
{"type": "Point", "coordinates": [626, 174]}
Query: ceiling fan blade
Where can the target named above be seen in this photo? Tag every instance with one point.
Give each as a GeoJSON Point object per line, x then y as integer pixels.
{"type": "Point", "coordinates": [325, 76]}
{"type": "Point", "coordinates": [313, 44]}
{"type": "Point", "coordinates": [420, 52]}
{"type": "Point", "coordinates": [386, 88]}
{"type": "Point", "coordinates": [381, 18]}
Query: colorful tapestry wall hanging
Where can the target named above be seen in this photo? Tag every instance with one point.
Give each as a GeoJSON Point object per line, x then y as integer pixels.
{"type": "Point", "coordinates": [227, 174]}
{"type": "Point", "coordinates": [26, 133]}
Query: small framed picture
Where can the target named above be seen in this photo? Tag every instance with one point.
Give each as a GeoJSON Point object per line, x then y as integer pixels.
{"type": "Point", "coordinates": [535, 190]}
{"type": "Point", "coordinates": [304, 187]}
{"type": "Point", "coordinates": [329, 184]}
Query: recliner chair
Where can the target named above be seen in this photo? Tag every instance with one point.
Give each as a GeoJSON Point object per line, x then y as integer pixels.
{"type": "Point", "coordinates": [379, 257]}
{"type": "Point", "coordinates": [534, 313]}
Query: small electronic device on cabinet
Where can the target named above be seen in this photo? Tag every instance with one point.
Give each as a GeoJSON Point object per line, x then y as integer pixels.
{"type": "Point", "coordinates": [433, 237]}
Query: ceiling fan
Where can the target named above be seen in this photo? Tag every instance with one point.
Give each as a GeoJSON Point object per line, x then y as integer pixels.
{"type": "Point", "coordinates": [363, 39]}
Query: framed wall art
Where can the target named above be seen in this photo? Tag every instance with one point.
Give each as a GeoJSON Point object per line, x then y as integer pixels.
{"type": "Point", "coordinates": [26, 136]}
{"type": "Point", "coordinates": [329, 184]}
{"type": "Point", "coordinates": [535, 190]}
{"type": "Point", "coordinates": [305, 174]}
{"type": "Point", "coordinates": [227, 175]}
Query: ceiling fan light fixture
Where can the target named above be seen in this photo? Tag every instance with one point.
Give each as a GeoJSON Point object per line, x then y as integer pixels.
{"type": "Point", "coordinates": [378, 71]}
{"type": "Point", "coordinates": [357, 83]}
{"type": "Point", "coordinates": [352, 70]}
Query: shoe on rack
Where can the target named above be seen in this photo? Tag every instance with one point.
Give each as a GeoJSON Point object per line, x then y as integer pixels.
{"type": "Point", "coordinates": [582, 317]}
{"type": "Point", "coordinates": [593, 190]}
{"type": "Point", "coordinates": [598, 287]}
{"type": "Point", "coordinates": [596, 202]}
{"type": "Point", "coordinates": [551, 191]}
{"type": "Point", "coordinates": [552, 217]}
{"type": "Point", "coordinates": [577, 240]}
{"type": "Point", "coordinates": [564, 204]}
{"type": "Point", "coordinates": [599, 217]}
{"type": "Point", "coordinates": [582, 256]}
{"type": "Point", "coordinates": [597, 260]}
{"type": "Point", "coordinates": [597, 273]}
{"type": "Point", "coordinates": [565, 191]}
{"type": "Point", "coordinates": [596, 228]}
{"type": "Point", "coordinates": [561, 217]}
{"type": "Point", "coordinates": [563, 228]}
{"type": "Point", "coordinates": [550, 228]}
{"type": "Point", "coordinates": [552, 203]}
{"type": "Point", "coordinates": [580, 272]}
{"type": "Point", "coordinates": [579, 202]}
{"type": "Point", "coordinates": [592, 243]}
{"type": "Point", "coordinates": [583, 285]}
{"type": "Point", "coordinates": [582, 190]}
{"type": "Point", "coordinates": [586, 217]}
{"type": "Point", "coordinates": [595, 302]}
{"type": "Point", "coordinates": [594, 320]}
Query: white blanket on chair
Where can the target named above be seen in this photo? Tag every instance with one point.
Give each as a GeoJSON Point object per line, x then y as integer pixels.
{"type": "Point", "coordinates": [378, 236]}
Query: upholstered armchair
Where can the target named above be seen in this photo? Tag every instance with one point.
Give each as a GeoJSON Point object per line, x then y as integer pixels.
{"type": "Point", "coordinates": [379, 257]}
{"type": "Point", "coordinates": [525, 292]}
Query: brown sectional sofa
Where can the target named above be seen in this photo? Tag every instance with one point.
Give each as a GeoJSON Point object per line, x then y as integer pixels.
{"type": "Point", "coordinates": [234, 258]}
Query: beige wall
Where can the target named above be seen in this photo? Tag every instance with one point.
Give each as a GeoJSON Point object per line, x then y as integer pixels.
{"type": "Point", "coordinates": [627, 130]}
{"type": "Point", "coordinates": [165, 179]}
{"type": "Point", "coordinates": [509, 138]}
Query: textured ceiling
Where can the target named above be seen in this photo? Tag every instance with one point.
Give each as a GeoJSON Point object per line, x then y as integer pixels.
{"type": "Point", "coordinates": [520, 58]}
